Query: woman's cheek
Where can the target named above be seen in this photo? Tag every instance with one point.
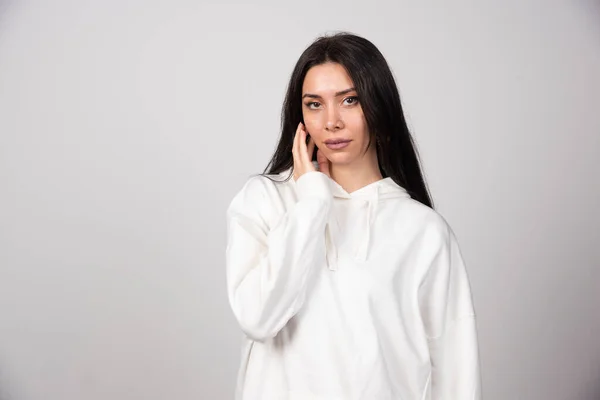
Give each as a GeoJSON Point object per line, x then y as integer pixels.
{"type": "Point", "coordinates": [312, 126]}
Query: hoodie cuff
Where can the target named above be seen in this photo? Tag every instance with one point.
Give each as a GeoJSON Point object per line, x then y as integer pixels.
{"type": "Point", "coordinates": [313, 184]}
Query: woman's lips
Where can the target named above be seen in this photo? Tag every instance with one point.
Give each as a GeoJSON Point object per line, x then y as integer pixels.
{"type": "Point", "coordinates": [337, 144]}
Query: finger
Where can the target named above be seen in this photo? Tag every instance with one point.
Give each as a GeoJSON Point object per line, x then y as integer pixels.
{"type": "Point", "coordinates": [323, 163]}
{"type": "Point", "coordinates": [295, 143]}
{"type": "Point", "coordinates": [296, 151]}
{"type": "Point", "coordinates": [302, 150]}
{"type": "Point", "coordinates": [310, 149]}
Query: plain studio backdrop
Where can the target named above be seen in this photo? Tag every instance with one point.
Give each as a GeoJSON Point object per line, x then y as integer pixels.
{"type": "Point", "coordinates": [127, 127]}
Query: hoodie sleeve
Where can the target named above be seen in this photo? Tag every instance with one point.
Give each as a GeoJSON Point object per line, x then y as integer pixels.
{"type": "Point", "coordinates": [271, 252]}
{"type": "Point", "coordinates": [448, 316]}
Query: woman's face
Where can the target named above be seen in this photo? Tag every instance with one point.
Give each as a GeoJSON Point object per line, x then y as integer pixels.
{"type": "Point", "coordinates": [333, 115]}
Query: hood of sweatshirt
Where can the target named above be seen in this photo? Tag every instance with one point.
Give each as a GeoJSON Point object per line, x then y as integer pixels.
{"type": "Point", "coordinates": [364, 204]}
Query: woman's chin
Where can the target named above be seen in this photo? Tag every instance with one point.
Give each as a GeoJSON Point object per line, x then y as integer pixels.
{"type": "Point", "coordinates": [340, 158]}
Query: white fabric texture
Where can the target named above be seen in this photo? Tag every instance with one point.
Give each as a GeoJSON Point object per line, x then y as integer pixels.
{"type": "Point", "coordinates": [348, 296]}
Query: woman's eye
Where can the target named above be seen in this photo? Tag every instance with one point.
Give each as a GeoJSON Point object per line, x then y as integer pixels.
{"type": "Point", "coordinates": [313, 104]}
{"type": "Point", "coordinates": [351, 100]}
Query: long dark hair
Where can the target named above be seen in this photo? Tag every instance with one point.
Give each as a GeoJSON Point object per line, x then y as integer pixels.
{"type": "Point", "coordinates": [380, 101]}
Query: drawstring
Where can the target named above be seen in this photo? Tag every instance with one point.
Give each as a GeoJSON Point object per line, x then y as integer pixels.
{"type": "Point", "coordinates": [386, 188]}
{"type": "Point", "coordinates": [371, 205]}
{"type": "Point", "coordinates": [332, 233]}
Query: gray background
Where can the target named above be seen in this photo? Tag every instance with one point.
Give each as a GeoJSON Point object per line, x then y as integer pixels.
{"type": "Point", "coordinates": [126, 128]}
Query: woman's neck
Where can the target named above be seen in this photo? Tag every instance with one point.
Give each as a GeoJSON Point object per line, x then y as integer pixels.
{"type": "Point", "coordinates": [353, 177]}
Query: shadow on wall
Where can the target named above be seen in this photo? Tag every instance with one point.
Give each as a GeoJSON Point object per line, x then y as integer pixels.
{"type": "Point", "coordinates": [594, 392]}
{"type": "Point", "coordinates": [3, 388]}
{"type": "Point", "coordinates": [5, 5]}
{"type": "Point", "coordinates": [7, 389]}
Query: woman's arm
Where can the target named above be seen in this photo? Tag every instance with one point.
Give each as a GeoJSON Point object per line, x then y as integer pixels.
{"type": "Point", "coordinates": [269, 267]}
{"type": "Point", "coordinates": [448, 316]}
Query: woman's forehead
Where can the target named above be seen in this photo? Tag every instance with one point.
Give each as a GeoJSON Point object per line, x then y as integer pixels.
{"type": "Point", "coordinates": [326, 79]}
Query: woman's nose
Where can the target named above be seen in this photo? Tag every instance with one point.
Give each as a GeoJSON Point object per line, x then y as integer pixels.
{"type": "Point", "coordinates": [334, 121]}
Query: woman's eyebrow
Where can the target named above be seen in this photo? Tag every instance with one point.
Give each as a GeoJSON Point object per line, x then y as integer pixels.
{"type": "Point", "coordinates": [340, 93]}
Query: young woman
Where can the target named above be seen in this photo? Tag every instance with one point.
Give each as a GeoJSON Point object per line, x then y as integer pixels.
{"type": "Point", "coordinates": [345, 281]}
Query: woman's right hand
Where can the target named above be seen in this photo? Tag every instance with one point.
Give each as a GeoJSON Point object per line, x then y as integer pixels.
{"type": "Point", "coordinates": [303, 155]}
{"type": "Point", "coordinates": [302, 152]}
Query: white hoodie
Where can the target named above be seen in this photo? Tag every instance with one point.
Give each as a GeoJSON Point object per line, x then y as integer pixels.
{"type": "Point", "coordinates": [347, 296]}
